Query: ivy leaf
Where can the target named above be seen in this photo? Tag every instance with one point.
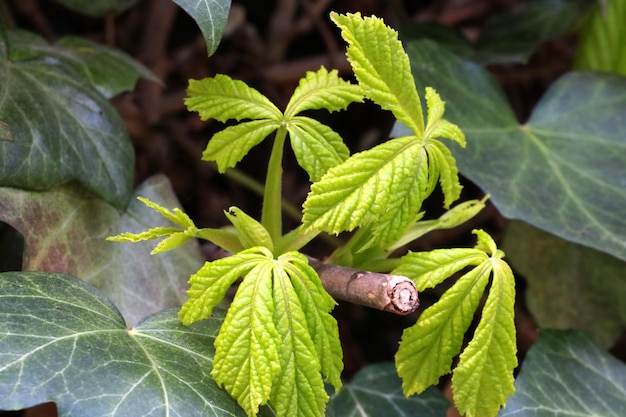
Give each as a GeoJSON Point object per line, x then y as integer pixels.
{"type": "Point", "coordinates": [156, 368]}
{"type": "Point", "coordinates": [484, 377]}
{"type": "Point", "coordinates": [63, 130]}
{"type": "Point", "coordinates": [317, 147]}
{"type": "Point", "coordinates": [222, 98]}
{"type": "Point", "coordinates": [109, 70]}
{"type": "Point", "coordinates": [64, 230]}
{"type": "Point", "coordinates": [381, 67]}
{"type": "Point", "coordinates": [322, 90]}
{"type": "Point", "coordinates": [98, 8]}
{"type": "Point", "coordinates": [251, 233]}
{"type": "Point", "coordinates": [589, 381]}
{"type": "Point", "coordinates": [376, 391]}
{"type": "Point", "coordinates": [211, 16]}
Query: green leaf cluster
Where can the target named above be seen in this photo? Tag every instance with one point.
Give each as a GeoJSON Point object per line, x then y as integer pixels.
{"type": "Point", "coordinates": [279, 343]}
{"type": "Point", "coordinates": [316, 146]}
{"type": "Point", "coordinates": [278, 337]}
{"type": "Point", "coordinates": [483, 378]}
{"type": "Point", "coordinates": [385, 186]}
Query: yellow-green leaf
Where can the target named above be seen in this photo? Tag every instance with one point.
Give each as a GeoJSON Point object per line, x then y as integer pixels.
{"type": "Point", "coordinates": [381, 67]}
{"type": "Point", "coordinates": [483, 379]}
{"type": "Point", "coordinates": [427, 348]}
{"type": "Point", "coordinates": [250, 232]}
{"type": "Point", "coordinates": [230, 145]}
{"type": "Point", "coordinates": [246, 350]}
{"type": "Point", "coordinates": [322, 90]}
{"type": "Point", "coordinates": [317, 147]}
{"type": "Point", "coordinates": [208, 286]}
{"type": "Point", "coordinates": [222, 98]}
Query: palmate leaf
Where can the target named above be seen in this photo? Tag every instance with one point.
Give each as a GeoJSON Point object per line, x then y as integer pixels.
{"type": "Point", "coordinates": [386, 185]}
{"type": "Point", "coordinates": [484, 377]}
{"type": "Point", "coordinates": [317, 147]}
{"type": "Point", "coordinates": [384, 179]}
{"type": "Point", "coordinates": [278, 339]}
{"type": "Point", "coordinates": [381, 67]}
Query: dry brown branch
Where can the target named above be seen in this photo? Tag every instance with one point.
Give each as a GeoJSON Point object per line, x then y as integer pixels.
{"type": "Point", "coordinates": [393, 293]}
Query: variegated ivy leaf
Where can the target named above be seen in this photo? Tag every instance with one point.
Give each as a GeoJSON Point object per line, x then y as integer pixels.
{"type": "Point", "coordinates": [483, 379]}
{"type": "Point", "coordinates": [278, 338]}
{"type": "Point", "coordinates": [316, 146]}
{"type": "Point", "coordinates": [386, 185]}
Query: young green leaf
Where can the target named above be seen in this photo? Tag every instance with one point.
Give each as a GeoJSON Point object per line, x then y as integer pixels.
{"type": "Point", "coordinates": [387, 184]}
{"type": "Point", "coordinates": [322, 90]}
{"type": "Point", "coordinates": [317, 147]}
{"type": "Point", "coordinates": [222, 98]}
{"type": "Point", "coordinates": [381, 67]}
{"type": "Point", "coordinates": [175, 236]}
{"type": "Point", "coordinates": [484, 377]}
{"type": "Point", "coordinates": [299, 389]}
{"type": "Point", "coordinates": [208, 286]}
{"type": "Point", "coordinates": [230, 145]}
{"type": "Point", "coordinates": [247, 348]}
{"type": "Point", "coordinates": [454, 217]}
{"type": "Point", "coordinates": [427, 349]}
{"type": "Point", "coordinates": [278, 339]}
{"type": "Point", "coordinates": [317, 304]}
{"type": "Point", "coordinates": [251, 233]}
{"type": "Point", "coordinates": [380, 181]}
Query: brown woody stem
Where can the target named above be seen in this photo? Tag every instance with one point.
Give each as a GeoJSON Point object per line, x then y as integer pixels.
{"type": "Point", "coordinates": [393, 293]}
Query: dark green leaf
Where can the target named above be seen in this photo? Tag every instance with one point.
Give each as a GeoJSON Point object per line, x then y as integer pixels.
{"type": "Point", "coordinates": [563, 171]}
{"type": "Point", "coordinates": [63, 129]}
{"type": "Point", "coordinates": [109, 70]}
{"type": "Point", "coordinates": [566, 375]}
{"type": "Point", "coordinates": [513, 36]}
{"type": "Point", "coordinates": [62, 341]}
{"type": "Point", "coordinates": [569, 285]}
{"type": "Point", "coordinates": [377, 391]}
{"type": "Point", "coordinates": [65, 228]}
{"type": "Point", "coordinates": [98, 8]}
{"type": "Point", "coordinates": [211, 17]}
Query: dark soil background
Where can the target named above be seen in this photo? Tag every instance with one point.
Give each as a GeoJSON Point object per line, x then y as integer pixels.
{"type": "Point", "coordinates": [270, 45]}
